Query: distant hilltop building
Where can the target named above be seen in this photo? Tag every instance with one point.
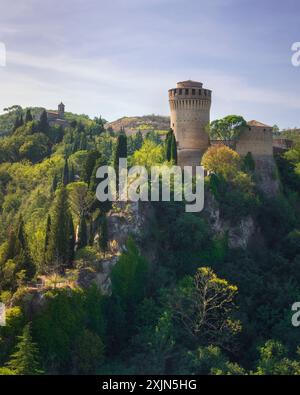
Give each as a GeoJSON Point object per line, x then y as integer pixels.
{"type": "Point", "coordinates": [190, 109]}
{"type": "Point", "coordinates": [57, 117]}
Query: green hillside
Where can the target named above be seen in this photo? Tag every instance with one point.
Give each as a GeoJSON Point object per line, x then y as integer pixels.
{"type": "Point", "coordinates": [95, 287]}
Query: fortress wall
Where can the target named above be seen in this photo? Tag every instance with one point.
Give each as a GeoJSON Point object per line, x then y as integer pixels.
{"type": "Point", "coordinates": [257, 140]}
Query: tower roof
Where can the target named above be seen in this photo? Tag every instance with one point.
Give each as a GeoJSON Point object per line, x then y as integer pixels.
{"type": "Point", "coordinates": [258, 124]}
{"type": "Point", "coordinates": [189, 84]}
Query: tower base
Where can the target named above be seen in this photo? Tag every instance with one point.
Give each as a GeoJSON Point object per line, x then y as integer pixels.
{"type": "Point", "coordinates": [189, 157]}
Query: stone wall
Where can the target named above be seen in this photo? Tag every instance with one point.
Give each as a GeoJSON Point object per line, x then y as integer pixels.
{"type": "Point", "coordinates": [257, 140]}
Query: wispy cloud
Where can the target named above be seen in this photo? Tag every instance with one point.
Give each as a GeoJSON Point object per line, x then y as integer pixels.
{"type": "Point", "coordinates": [120, 58]}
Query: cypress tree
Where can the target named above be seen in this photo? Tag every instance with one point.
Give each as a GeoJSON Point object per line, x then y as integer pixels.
{"type": "Point", "coordinates": [82, 233]}
{"type": "Point", "coordinates": [18, 123]}
{"type": "Point", "coordinates": [28, 116]}
{"type": "Point", "coordinates": [89, 165]}
{"type": "Point", "coordinates": [173, 149]}
{"type": "Point", "coordinates": [22, 255]}
{"type": "Point", "coordinates": [43, 123]}
{"type": "Point", "coordinates": [21, 120]}
{"type": "Point", "coordinates": [66, 175]}
{"type": "Point", "coordinates": [71, 239]}
{"type": "Point", "coordinates": [168, 145]}
{"type": "Point", "coordinates": [60, 242]}
{"type": "Point", "coordinates": [25, 360]}
{"type": "Point", "coordinates": [54, 183]}
{"type": "Point", "coordinates": [72, 174]}
{"type": "Point", "coordinates": [121, 151]}
{"type": "Point", "coordinates": [83, 142]}
{"type": "Point", "coordinates": [138, 140]}
{"type": "Point", "coordinates": [47, 236]}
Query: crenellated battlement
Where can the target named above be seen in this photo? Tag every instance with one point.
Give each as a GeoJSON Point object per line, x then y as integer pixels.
{"type": "Point", "coordinates": [189, 93]}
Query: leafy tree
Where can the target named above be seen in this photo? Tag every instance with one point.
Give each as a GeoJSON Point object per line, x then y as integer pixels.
{"type": "Point", "coordinates": [88, 353]}
{"type": "Point", "coordinates": [248, 163]}
{"type": "Point", "coordinates": [273, 360]}
{"type": "Point", "coordinates": [228, 128]}
{"type": "Point", "coordinates": [221, 160]}
{"type": "Point", "coordinates": [129, 276]}
{"type": "Point", "coordinates": [25, 360]}
{"type": "Point", "coordinates": [203, 306]}
{"type": "Point", "coordinates": [81, 198]}
{"type": "Point", "coordinates": [149, 155]}
{"type": "Point", "coordinates": [209, 360]}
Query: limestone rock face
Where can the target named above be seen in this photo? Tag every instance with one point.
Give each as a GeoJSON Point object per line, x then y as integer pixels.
{"type": "Point", "coordinates": [266, 176]}
{"type": "Point", "coordinates": [124, 220]}
{"type": "Point", "coordinates": [239, 234]}
{"type": "Point", "coordinates": [100, 276]}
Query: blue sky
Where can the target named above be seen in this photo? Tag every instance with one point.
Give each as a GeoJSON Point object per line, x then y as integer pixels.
{"type": "Point", "coordinates": [120, 57]}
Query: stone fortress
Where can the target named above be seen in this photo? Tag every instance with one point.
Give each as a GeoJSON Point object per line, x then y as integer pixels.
{"type": "Point", "coordinates": [190, 115]}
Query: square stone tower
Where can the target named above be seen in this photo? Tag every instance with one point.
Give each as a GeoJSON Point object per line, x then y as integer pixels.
{"type": "Point", "coordinates": [190, 115]}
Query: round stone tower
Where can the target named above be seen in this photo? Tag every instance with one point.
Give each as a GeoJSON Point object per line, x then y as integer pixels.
{"type": "Point", "coordinates": [190, 107]}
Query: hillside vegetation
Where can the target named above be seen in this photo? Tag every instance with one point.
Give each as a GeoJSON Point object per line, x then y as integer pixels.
{"type": "Point", "coordinates": [96, 287]}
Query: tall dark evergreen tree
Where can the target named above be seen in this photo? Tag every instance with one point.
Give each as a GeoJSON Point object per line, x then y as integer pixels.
{"type": "Point", "coordinates": [28, 116]}
{"type": "Point", "coordinates": [83, 141]}
{"type": "Point", "coordinates": [18, 122]}
{"type": "Point", "coordinates": [58, 254]}
{"type": "Point", "coordinates": [43, 123]}
{"type": "Point", "coordinates": [89, 165]}
{"type": "Point", "coordinates": [72, 174]}
{"type": "Point", "coordinates": [71, 239]}
{"type": "Point", "coordinates": [82, 233]}
{"type": "Point", "coordinates": [54, 183]}
{"type": "Point", "coordinates": [25, 360]}
{"type": "Point", "coordinates": [66, 174]}
{"type": "Point", "coordinates": [121, 151]}
{"type": "Point", "coordinates": [47, 236]}
{"type": "Point", "coordinates": [22, 254]}
{"type": "Point", "coordinates": [171, 147]}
